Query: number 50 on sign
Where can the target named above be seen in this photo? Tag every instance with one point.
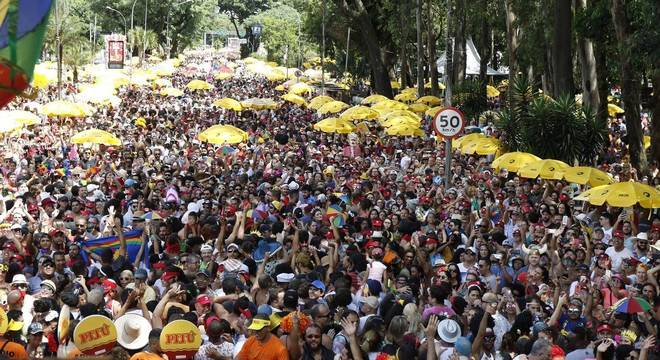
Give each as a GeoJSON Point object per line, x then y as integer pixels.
{"type": "Point", "coordinates": [448, 122]}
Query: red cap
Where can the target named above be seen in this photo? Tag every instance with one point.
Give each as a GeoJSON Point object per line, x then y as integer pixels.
{"type": "Point", "coordinates": [203, 299]}
{"type": "Point", "coordinates": [109, 285]}
{"type": "Point", "coordinates": [47, 201]}
{"type": "Point", "coordinates": [55, 232]}
{"type": "Point", "coordinates": [431, 241]}
{"type": "Point", "coordinates": [618, 234]}
{"type": "Point", "coordinates": [159, 265]}
{"type": "Point", "coordinates": [563, 197]}
{"type": "Point", "coordinates": [169, 275]}
{"type": "Point", "coordinates": [377, 223]}
{"type": "Point", "coordinates": [604, 328]}
{"type": "Point", "coordinates": [372, 244]}
{"type": "Point", "coordinates": [406, 237]}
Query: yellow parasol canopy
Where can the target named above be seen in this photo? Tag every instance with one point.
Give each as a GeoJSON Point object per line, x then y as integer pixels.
{"type": "Point", "coordinates": [9, 125]}
{"type": "Point", "coordinates": [545, 169]}
{"type": "Point", "coordinates": [587, 175]}
{"type": "Point", "coordinates": [406, 96]}
{"type": "Point", "coordinates": [418, 108]}
{"type": "Point", "coordinates": [170, 91]}
{"type": "Point", "coordinates": [481, 146]}
{"type": "Point", "coordinates": [228, 103]}
{"type": "Point", "coordinates": [373, 99]}
{"type": "Point", "coordinates": [259, 103]}
{"type": "Point", "coordinates": [389, 105]}
{"type": "Point", "coordinates": [432, 111]}
{"type": "Point", "coordinates": [223, 134]}
{"type": "Point", "coordinates": [612, 110]}
{"type": "Point", "coordinates": [318, 101]}
{"type": "Point", "coordinates": [163, 83]}
{"type": "Point", "coordinates": [295, 99]}
{"type": "Point", "coordinates": [332, 107]}
{"type": "Point", "coordinates": [222, 76]}
{"type": "Point", "coordinates": [96, 136]}
{"type": "Point", "coordinates": [401, 120]}
{"type": "Point", "coordinates": [623, 194]}
{"type": "Point", "coordinates": [513, 161]}
{"type": "Point", "coordinates": [441, 86]}
{"type": "Point", "coordinates": [199, 85]}
{"type": "Point", "coordinates": [20, 116]}
{"type": "Point", "coordinates": [456, 144]}
{"type": "Point", "coordinates": [491, 91]}
{"type": "Point", "coordinates": [334, 125]}
{"type": "Point", "coordinates": [64, 108]}
{"type": "Point", "coordinates": [430, 100]}
{"type": "Point", "coordinates": [359, 112]}
{"type": "Point", "coordinates": [395, 113]}
{"type": "Point", "coordinates": [395, 85]}
{"type": "Point", "coordinates": [300, 88]}
{"type": "Point", "coordinates": [404, 130]}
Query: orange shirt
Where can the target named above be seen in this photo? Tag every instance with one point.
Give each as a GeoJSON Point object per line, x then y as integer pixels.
{"type": "Point", "coordinates": [146, 356]}
{"type": "Point", "coordinates": [253, 349]}
{"type": "Point", "coordinates": [13, 350]}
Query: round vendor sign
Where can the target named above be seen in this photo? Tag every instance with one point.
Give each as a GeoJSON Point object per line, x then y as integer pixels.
{"type": "Point", "coordinates": [95, 335]}
{"type": "Point", "coordinates": [180, 339]}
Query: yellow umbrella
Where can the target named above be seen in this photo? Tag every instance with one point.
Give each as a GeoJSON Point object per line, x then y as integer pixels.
{"type": "Point", "coordinates": [395, 113]}
{"type": "Point", "coordinates": [223, 134]}
{"type": "Point", "coordinates": [432, 111]}
{"type": "Point", "coordinates": [389, 105]}
{"type": "Point", "coordinates": [332, 107]}
{"type": "Point", "coordinates": [481, 146]}
{"type": "Point", "coordinates": [441, 86]}
{"type": "Point", "coordinates": [373, 99]}
{"type": "Point", "coordinates": [199, 85]}
{"type": "Point", "coordinates": [222, 76]}
{"type": "Point", "coordinates": [334, 125]}
{"type": "Point", "coordinates": [410, 90]}
{"type": "Point", "coordinates": [359, 113]}
{"type": "Point", "coordinates": [280, 87]}
{"type": "Point", "coordinates": [585, 174]}
{"type": "Point", "coordinates": [20, 116]}
{"type": "Point", "coordinates": [40, 80]}
{"type": "Point", "coordinates": [96, 136]}
{"type": "Point", "coordinates": [418, 108]}
{"type": "Point", "coordinates": [64, 108]}
{"type": "Point", "coordinates": [612, 110]}
{"type": "Point", "coordinates": [646, 142]}
{"type": "Point", "coordinates": [318, 101]}
{"type": "Point", "coordinates": [404, 130]}
{"type": "Point", "coordinates": [401, 120]}
{"type": "Point", "coordinates": [513, 161]}
{"type": "Point", "coordinates": [623, 194]}
{"type": "Point", "coordinates": [228, 103]}
{"type": "Point", "coordinates": [300, 88]}
{"type": "Point", "coordinates": [163, 83]}
{"type": "Point", "coordinates": [170, 91]}
{"type": "Point", "coordinates": [259, 104]}
{"type": "Point", "coordinates": [456, 144]}
{"type": "Point", "coordinates": [275, 76]}
{"type": "Point", "coordinates": [293, 98]}
{"type": "Point", "coordinates": [545, 169]}
{"type": "Point", "coordinates": [491, 91]}
{"type": "Point", "coordinates": [395, 85]}
{"type": "Point", "coordinates": [406, 96]}
{"type": "Point", "coordinates": [9, 125]}
{"type": "Point", "coordinates": [430, 100]}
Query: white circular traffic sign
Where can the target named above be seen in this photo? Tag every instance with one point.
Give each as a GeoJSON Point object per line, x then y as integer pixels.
{"type": "Point", "coordinates": [448, 122]}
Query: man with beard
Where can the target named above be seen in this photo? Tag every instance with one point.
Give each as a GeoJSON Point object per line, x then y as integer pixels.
{"type": "Point", "coordinates": [312, 348]}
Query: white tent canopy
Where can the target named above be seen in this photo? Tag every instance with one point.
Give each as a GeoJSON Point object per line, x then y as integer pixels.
{"type": "Point", "coordinates": [472, 61]}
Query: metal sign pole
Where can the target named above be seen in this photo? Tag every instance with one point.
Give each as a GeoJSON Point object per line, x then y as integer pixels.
{"type": "Point", "coordinates": [448, 85]}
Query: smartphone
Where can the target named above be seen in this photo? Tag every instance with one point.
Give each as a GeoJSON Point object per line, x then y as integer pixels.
{"type": "Point", "coordinates": [564, 220]}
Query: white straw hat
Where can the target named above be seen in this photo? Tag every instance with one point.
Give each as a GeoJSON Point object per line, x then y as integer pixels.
{"type": "Point", "coordinates": [449, 331]}
{"type": "Point", "coordinates": [132, 331]}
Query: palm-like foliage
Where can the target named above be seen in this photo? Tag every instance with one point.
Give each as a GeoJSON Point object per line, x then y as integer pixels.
{"type": "Point", "coordinates": [136, 40]}
{"type": "Point", "coordinates": [466, 98]}
{"type": "Point", "coordinates": [550, 128]}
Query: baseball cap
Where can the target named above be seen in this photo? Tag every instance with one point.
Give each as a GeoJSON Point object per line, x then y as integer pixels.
{"type": "Point", "coordinates": [258, 324]}
{"type": "Point", "coordinates": [140, 274]}
{"type": "Point", "coordinates": [50, 284]}
{"type": "Point", "coordinates": [319, 285]}
{"type": "Point", "coordinates": [285, 277]}
{"type": "Point", "coordinates": [35, 328]}
{"type": "Point", "coordinates": [372, 301]}
{"type": "Point", "coordinates": [203, 299]}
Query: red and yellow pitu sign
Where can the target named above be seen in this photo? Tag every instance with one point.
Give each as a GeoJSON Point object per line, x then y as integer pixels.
{"type": "Point", "coordinates": [95, 335]}
{"type": "Point", "coordinates": [180, 339]}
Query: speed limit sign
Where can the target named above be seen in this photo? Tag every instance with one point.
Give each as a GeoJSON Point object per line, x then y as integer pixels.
{"type": "Point", "coordinates": [448, 122]}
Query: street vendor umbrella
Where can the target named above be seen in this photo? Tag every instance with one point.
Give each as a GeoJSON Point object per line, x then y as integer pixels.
{"type": "Point", "coordinates": [163, 82]}
{"type": "Point", "coordinates": [406, 96]}
{"type": "Point", "coordinates": [332, 107]}
{"type": "Point", "coordinates": [223, 76]}
{"type": "Point", "coordinates": [623, 194]}
{"type": "Point", "coordinates": [199, 85]}
{"type": "Point", "coordinates": [456, 144]}
{"type": "Point", "coordinates": [430, 100]}
{"type": "Point", "coordinates": [359, 112]}
{"type": "Point", "coordinates": [404, 130]}
{"type": "Point", "coordinates": [259, 103]}
{"type": "Point", "coordinates": [96, 136]}
{"type": "Point", "coordinates": [300, 88]}
{"type": "Point", "coordinates": [513, 161]}
{"type": "Point", "coordinates": [434, 110]}
{"type": "Point", "coordinates": [395, 113]}
{"type": "Point", "coordinates": [373, 99]}
{"type": "Point", "coordinates": [389, 105]}
{"type": "Point", "coordinates": [631, 305]}
{"type": "Point", "coordinates": [545, 169]}
{"type": "Point", "coordinates": [428, 84]}
{"type": "Point", "coordinates": [418, 107]}
{"type": "Point", "coordinates": [64, 108]}
{"type": "Point", "coordinates": [586, 174]}
{"type": "Point", "coordinates": [23, 26]}
{"type": "Point", "coordinates": [334, 125]}
{"type": "Point", "coordinates": [9, 125]}
{"type": "Point", "coordinates": [481, 146]}
{"type": "Point", "coordinates": [295, 99]}
{"type": "Point", "coordinates": [319, 101]}
{"type": "Point", "coordinates": [400, 120]}
{"type": "Point", "coordinates": [229, 104]}
{"type": "Point", "coordinates": [612, 110]}
{"type": "Point", "coordinates": [491, 91]}
{"type": "Point", "coordinates": [223, 134]}
{"type": "Point", "coordinates": [20, 116]}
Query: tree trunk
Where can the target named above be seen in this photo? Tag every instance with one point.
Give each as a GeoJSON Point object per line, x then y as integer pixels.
{"type": "Point", "coordinates": [420, 48]}
{"type": "Point", "coordinates": [403, 7]}
{"type": "Point", "coordinates": [630, 83]}
{"type": "Point", "coordinates": [561, 49]}
{"type": "Point", "coordinates": [484, 49]}
{"type": "Point", "coordinates": [512, 34]}
{"type": "Point", "coordinates": [375, 53]}
{"type": "Point", "coordinates": [459, 42]}
{"type": "Point", "coordinates": [655, 122]}
{"type": "Point", "coordinates": [433, 67]}
{"type": "Point", "coordinates": [590, 96]}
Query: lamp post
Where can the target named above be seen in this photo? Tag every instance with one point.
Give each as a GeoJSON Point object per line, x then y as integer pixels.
{"type": "Point", "coordinates": [144, 36]}
{"type": "Point", "coordinates": [122, 17]}
{"type": "Point", "coordinates": [132, 37]}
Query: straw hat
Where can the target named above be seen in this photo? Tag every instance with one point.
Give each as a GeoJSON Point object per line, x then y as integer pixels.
{"type": "Point", "coordinates": [132, 331]}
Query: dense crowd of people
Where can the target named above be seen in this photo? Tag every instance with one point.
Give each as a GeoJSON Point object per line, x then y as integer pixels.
{"type": "Point", "coordinates": [238, 239]}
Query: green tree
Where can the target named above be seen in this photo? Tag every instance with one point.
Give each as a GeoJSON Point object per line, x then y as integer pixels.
{"type": "Point", "coordinates": [280, 31]}
{"type": "Point", "coordinates": [240, 10]}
